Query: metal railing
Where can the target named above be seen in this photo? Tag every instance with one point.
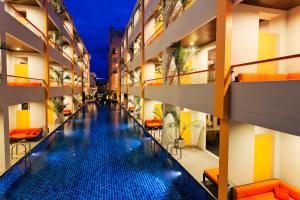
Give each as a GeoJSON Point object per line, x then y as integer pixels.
{"type": "Point", "coordinates": [155, 35]}
{"type": "Point", "coordinates": [268, 72]}
{"type": "Point", "coordinates": [19, 81]}
{"type": "Point", "coordinates": [32, 27]}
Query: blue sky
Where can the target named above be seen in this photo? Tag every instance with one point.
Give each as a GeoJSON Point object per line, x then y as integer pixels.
{"type": "Point", "coordinates": [93, 18]}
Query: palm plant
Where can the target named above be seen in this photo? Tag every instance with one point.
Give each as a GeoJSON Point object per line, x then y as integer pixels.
{"type": "Point", "coordinates": [75, 101]}
{"type": "Point", "coordinates": [58, 108]}
{"type": "Point", "coordinates": [170, 110]}
{"type": "Point", "coordinates": [131, 77]}
{"type": "Point", "coordinates": [56, 76]}
{"type": "Point", "coordinates": [180, 55]}
{"type": "Point", "coordinates": [136, 102]}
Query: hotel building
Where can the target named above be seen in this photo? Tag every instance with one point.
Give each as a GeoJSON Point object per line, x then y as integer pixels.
{"type": "Point", "coordinates": [44, 73]}
{"type": "Point", "coordinates": [215, 82]}
{"type": "Point", "coordinates": [115, 39]}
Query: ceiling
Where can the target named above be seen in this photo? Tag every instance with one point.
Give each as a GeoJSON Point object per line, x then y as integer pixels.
{"type": "Point", "coordinates": [276, 4]}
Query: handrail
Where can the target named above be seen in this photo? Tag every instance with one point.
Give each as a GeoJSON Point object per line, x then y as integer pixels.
{"type": "Point", "coordinates": [18, 13]}
{"type": "Point", "coordinates": [190, 73]}
{"type": "Point", "coordinates": [62, 51]}
{"type": "Point", "coordinates": [183, 74]}
{"type": "Point", "coordinates": [266, 60]}
{"type": "Point", "coordinates": [154, 35]}
{"type": "Point", "coordinates": [68, 31]}
{"type": "Point", "coordinates": [27, 78]}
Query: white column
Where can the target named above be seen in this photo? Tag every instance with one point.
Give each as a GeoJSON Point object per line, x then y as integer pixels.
{"type": "Point", "coordinates": [4, 139]}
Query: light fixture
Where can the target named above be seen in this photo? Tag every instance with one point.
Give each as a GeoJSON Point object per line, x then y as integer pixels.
{"type": "Point", "coordinates": [191, 44]}
{"type": "Point", "coordinates": [18, 49]}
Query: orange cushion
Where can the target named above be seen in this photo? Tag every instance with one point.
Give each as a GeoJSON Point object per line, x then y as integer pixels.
{"type": "Point", "coordinates": [212, 174]}
{"type": "Point", "coordinates": [253, 77]}
{"type": "Point", "coordinates": [264, 196]}
{"type": "Point", "coordinates": [24, 84]}
{"type": "Point", "coordinates": [293, 192]}
{"type": "Point", "coordinates": [278, 189]}
{"type": "Point", "coordinates": [281, 195]}
{"type": "Point", "coordinates": [293, 76]}
{"type": "Point", "coordinates": [153, 125]}
{"type": "Point", "coordinates": [244, 191]}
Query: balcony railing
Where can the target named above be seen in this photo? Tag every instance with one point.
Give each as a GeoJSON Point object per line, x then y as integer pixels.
{"type": "Point", "coordinates": [154, 82]}
{"type": "Point", "coordinates": [196, 77]}
{"type": "Point", "coordinates": [273, 69]}
{"type": "Point", "coordinates": [60, 50]}
{"type": "Point", "coordinates": [13, 11]}
{"type": "Point", "coordinates": [19, 81]}
{"type": "Point", "coordinates": [155, 35]}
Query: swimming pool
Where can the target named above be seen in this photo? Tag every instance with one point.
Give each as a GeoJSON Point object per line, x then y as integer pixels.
{"type": "Point", "coordinates": [101, 153]}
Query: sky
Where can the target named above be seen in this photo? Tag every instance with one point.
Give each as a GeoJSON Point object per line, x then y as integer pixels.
{"type": "Point", "coordinates": [93, 19]}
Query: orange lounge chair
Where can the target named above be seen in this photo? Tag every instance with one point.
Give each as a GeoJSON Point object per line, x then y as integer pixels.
{"type": "Point", "coordinates": [24, 84]}
{"type": "Point", "coordinates": [212, 175]}
{"type": "Point", "coordinates": [266, 190]}
{"type": "Point", "coordinates": [67, 112]}
{"type": "Point", "coordinates": [153, 123]}
{"type": "Point", "coordinates": [25, 134]}
{"type": "Point", "coordinates": [251, 77]}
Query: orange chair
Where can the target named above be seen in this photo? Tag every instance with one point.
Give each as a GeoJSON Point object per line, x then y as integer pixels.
{"type": "Point", "coordinates": [25, 134]}
{"type": "Point", "coordinates": [154, 84]}
{"type": "Point", "coordinates": [67, 112]}
{"type": "Point", "coordinates": [131, 109]}
{"type": "Point", "coordinates": [212, 175]}
{"type": "Point", "coordinates": [153, 123]}
{"type": "Point", "coordinates": [266, 190]}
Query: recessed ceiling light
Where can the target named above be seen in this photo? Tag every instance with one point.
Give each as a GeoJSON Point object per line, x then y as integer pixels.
{"type": "Point", "coordinates": [18, 49]}
{"type": "Point", "coordinates": [191, 43]}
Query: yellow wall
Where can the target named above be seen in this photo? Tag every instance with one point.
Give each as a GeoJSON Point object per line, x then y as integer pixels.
{"type": "Point", "coordinates": [22, 71]}
{"type": "Point", "coordinates": [50, 113]}
{"type": "Point", "coordinates": [263, 157]}
{"type": "Point", "coordinates": [267, 48]}
{"type": "Point", "coordinates": [185, 121]}
{"type": "Point", "coordinates": [157, 108]}
{"type": "Point", "coordinates": [23, 119]}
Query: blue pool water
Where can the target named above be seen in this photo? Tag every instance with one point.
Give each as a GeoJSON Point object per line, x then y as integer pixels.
{"type": "Point", "coordinates": [100, 154]}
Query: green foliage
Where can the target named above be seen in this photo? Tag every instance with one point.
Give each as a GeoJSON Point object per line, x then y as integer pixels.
{"type": "Point", "coordinates": [56, 75]}
{"type": "Point", "coordinates": [136, 102]}
{"type": "Point", "coordinates": [58, 107]}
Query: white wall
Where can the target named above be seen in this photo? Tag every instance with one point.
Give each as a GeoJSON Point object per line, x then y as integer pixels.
{"type": "Point", "coordinates": [37, 115]}
{"type": "Point", "coordinates": [36, 64]}
{"type": "Point", "coordinates": [200, 62]}
{"type": "Point", "coordinates": [149, 108]}
{"type": "Point", "coordinates": [241, 153]}
{"type": "Point", "coordinates": [12, 112]}
{"type": "Point", "coordinates": [149, 28]}
{"type": "Point", "coordinates": [245, 31]}
{"type": "Point", "coordinates": [69, 102]}
{"type": "Point", "coordinates": [149, 71]}
{"type": "Point", "coordinates": [198, 135]}
{"type": "Point", "coordinates": [289, 159]}
{"type": "Point", "coordinates": [293, 42]}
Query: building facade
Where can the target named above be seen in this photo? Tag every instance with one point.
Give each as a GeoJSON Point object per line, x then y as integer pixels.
{"type": "Point", "coordinates": [222, 77]}
{"type": "Point", "coordinates": [44, 73]}
{"type": "Point", "coordinates": [115, 39]}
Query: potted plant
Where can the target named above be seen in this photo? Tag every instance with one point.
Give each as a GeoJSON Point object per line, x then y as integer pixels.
{"type": "Point", "coordinates": [56, 76]}
{"type": "Point", "coordinates": [179, 141]}
{"type": "Point", "coordinates": [58, 108]}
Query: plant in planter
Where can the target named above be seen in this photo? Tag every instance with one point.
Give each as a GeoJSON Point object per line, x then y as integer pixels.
{"type": "Point", "coordinates": [56, 76]}
{"type": "Point", "coordinates": [131, 77]}
{"type": "Point", "coordinates": [75, 101]}
{"type": "Point", "coordinates": [136, 102]}
{"type": "Point", "coordinates": [180, 55]}
{"type": "Point", "coordinates": [58, 108]}
{"type": "Point", "coordinates": [175, 124]}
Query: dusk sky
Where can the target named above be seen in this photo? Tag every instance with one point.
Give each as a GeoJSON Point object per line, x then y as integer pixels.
{"type": "Point", "coordinates": [93, 18]}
